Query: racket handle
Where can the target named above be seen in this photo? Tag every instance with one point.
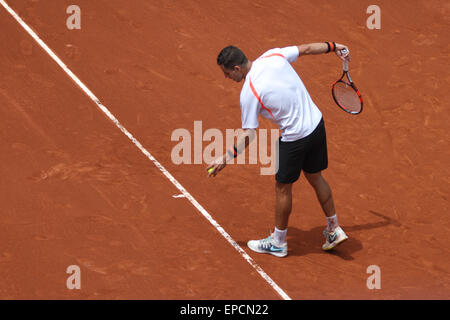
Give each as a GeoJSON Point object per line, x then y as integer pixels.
{"type": "Point", "coordinates": [344, 63]}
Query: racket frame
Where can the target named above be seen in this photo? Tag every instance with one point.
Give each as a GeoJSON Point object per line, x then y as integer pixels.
{"type": "Point", "coordinates": [349, 83]}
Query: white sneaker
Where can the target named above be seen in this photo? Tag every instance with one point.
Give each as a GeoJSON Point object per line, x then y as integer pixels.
{"type": "Point", "coordinates": [267, 245]}
{"type": "Point", "coordinates": [333, 238]}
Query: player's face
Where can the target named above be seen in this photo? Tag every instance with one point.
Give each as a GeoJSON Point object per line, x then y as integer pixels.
{"type": "Point", "coordinates": [234, 74]}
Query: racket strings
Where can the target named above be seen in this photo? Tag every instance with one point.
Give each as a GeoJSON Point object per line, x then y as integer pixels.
{"type": "Point", "coordinates": [347, 97]}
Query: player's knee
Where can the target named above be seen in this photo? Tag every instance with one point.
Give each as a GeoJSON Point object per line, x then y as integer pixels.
{"type": "Point", "coordinates": [284, 188]}
{"type": "Point", "coordinates": [314, 178]}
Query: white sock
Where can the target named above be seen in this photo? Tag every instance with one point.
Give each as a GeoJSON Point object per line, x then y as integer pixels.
{"type": "Point", "coordinates": [280, 236]}
{"type": "Point", "coordinates": [332, 223]}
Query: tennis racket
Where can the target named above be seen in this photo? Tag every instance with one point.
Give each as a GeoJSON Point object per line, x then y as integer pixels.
{"type": "Point", "coordinates": [345, 93]}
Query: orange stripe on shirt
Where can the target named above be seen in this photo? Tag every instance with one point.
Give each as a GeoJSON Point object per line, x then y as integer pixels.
{"type": "Point", "coordinates": [257, 97]}
{"type": "Point", "coordinates": [274, 54]}
{"type": "Point", "coordinates": [254, 90]}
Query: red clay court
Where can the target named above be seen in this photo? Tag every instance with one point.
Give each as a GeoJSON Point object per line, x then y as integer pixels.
{"type": "Point", "coordinates": [75, 190]}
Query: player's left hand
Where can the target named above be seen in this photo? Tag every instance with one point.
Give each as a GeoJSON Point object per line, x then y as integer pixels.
{"type": "Point", "coordinates": [216, 166]}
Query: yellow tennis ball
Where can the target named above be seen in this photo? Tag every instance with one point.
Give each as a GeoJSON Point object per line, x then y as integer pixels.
{"type": "Point", "coordinates": [210, 170]}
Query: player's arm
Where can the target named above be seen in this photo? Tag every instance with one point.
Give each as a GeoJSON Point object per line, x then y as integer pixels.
{"type": "Point", "coordinates": [244, 138]}
{"type": "Point", "coordinates": [323, 47]}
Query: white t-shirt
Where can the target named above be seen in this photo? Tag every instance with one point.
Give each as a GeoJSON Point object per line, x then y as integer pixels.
{"type": "Point", "coordinates": [273, 89]}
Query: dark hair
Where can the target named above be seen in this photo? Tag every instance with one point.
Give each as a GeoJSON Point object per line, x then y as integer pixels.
{"type": "Point", "coordinates": [231, 56]}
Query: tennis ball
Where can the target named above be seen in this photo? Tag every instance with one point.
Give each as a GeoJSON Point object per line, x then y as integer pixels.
{"type": "Point", "coordinates": [210, 170]}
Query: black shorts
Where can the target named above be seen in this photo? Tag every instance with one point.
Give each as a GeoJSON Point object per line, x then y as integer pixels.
{"type": "Point", "coordinates": [308, 154]}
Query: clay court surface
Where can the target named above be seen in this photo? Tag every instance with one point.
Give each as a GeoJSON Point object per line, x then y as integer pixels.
{"type": "Point", "coordinates": [74, 190]}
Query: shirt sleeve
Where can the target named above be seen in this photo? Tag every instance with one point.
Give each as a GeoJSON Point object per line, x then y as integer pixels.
{"type": "Point", "coordinates": [291, 53]}
{"type": "Point", "coordinates": [249, 109]}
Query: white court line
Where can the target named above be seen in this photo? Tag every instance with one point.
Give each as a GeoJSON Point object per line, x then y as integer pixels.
{"type": "Point", "coordinates": [247, 258]}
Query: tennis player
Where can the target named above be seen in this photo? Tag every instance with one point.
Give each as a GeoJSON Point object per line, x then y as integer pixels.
{"type": "Point", "coordinates": [274, 90]}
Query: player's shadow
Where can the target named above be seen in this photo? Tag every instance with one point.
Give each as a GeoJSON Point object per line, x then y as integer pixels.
{"type": "Point", "coordinates": [303, 242]}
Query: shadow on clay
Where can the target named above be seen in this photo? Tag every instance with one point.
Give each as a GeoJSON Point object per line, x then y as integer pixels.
{"type": "Point", "coordinates": [304, 242]}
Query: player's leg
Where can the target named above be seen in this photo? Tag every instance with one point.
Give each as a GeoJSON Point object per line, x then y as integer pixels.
{"type": "Point", "coordinates": [283, 204]}
{"type": "Point", "coordinates": [323, 192]}
{"type": "Point", "coordinates": [289, 160]}
{"type": "Point", "coordinates": [315, 162]}
{"type": "Point", "coordinates": [333, 234]}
